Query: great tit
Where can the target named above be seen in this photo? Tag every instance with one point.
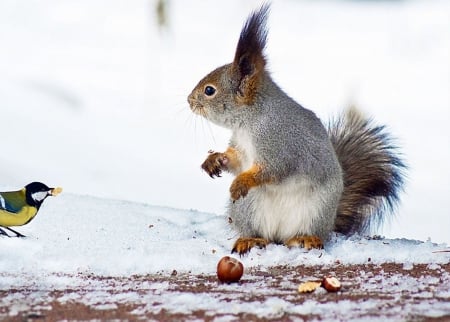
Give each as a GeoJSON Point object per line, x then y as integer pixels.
{"type": "Point", "coordinates": [18, 208]}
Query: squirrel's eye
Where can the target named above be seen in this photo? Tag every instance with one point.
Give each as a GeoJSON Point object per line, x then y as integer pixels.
{"type": "Point", "coordinates": [210, 91]}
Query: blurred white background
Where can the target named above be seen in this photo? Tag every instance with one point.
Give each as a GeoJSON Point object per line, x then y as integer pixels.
{"type": "Point", "coordinates": [93, 92]}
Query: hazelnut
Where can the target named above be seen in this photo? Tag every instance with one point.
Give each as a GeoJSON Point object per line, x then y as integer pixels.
{"type": "Point", "coordinates": [229, 270]}
{"type": "Point", "coordinates": [331, 284]}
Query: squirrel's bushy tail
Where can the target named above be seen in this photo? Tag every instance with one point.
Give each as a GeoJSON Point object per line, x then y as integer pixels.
{"type": "Point", "coordinates": [373, 172]}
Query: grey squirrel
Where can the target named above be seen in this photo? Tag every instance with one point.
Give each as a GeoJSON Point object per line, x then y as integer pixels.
{"type": "Point", "coordinates": [295, 181]}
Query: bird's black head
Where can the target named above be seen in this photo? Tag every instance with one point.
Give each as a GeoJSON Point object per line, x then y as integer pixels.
{"type": "Point", "coordinates": [36, 192]}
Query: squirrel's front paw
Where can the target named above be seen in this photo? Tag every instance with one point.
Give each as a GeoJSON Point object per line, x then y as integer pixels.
{"type": "Point", "coordinates": [243, 245]}
{"type": "Point", "coordinates": [239, 188]}
{"type": "Point", "coordinates": [215, 163]}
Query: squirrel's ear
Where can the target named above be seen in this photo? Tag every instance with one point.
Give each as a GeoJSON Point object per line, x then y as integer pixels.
{"type": "Point", "coordinates": [249, 61]}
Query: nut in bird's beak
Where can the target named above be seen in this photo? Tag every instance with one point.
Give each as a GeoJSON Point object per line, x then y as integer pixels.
{"type": "Point", "coordinates": [55, 191]}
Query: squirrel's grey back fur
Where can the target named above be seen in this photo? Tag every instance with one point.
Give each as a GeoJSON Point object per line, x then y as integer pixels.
{"type": "Point", "coordinates": [315, 180]}
{"type": "Point", "coordinates": [295, 148]}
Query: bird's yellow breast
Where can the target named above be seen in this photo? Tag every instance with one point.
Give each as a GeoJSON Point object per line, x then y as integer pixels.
{"type": "Point", "coordinates": [20, 218]}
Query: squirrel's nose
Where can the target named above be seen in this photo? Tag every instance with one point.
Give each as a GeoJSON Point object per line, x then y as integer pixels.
{"type": "Point", "coordinates": [191, 99]}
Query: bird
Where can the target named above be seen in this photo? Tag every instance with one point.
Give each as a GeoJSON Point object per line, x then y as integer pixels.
{"type": "Point", "coordinates": [18, 208]}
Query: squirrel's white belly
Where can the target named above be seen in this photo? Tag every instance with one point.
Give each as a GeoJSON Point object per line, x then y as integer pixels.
{"type": "Point", "coordinates": [280, 211]}
{"type": "Point", "coordinates": [288, 209]}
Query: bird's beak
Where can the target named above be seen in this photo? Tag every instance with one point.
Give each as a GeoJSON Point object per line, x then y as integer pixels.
{"type": "Point", "coordinates": [55, 191]}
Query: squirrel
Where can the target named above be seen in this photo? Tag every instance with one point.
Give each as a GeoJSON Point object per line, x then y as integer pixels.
{"type": "Point", "coordinates": [296, 180]}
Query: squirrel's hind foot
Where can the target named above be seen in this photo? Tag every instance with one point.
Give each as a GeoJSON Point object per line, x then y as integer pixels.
{"type": "Point", "coordinates": [244, 244]}
{"type": "Point", "coordinates": [307, 242]}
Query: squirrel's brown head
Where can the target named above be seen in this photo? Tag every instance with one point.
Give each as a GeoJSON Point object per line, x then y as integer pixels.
{"type": "Point", "coordinates": [224, 95]}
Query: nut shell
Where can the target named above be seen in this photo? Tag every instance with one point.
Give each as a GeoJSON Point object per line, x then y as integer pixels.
{"type": "Point", "coordinates": [331, 284]}
{"type": "Point", "coordinates": [229, 270]}
{"type": "Point", "coordinates": [308, 287]}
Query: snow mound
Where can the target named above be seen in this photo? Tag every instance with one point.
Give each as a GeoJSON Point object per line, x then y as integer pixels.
{"type": "Point", "coordinates": [81, 234]}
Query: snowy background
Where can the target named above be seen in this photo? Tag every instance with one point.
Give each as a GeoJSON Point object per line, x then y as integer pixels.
{"type": "Point", "coordinates": [93, 99]}
{"type": "Point", "coordinates": [105, 253]}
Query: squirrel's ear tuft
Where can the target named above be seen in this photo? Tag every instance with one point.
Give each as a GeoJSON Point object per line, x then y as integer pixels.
{"type": "Point", "coordinates": [249, 61]}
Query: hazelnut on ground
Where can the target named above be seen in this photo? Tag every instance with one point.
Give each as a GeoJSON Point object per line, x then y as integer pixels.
{"type": "Point", "coordinates": [229, 270]}
{"type": "Point", "coordinates": [331, 284]}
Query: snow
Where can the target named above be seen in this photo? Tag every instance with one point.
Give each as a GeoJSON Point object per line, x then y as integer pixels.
{"type": "Point", "coordinates": [76, 238]}
{"type": "Point", "coordinates": [93, 99]}
{"type": "Point", "coordinates": [81, 234]}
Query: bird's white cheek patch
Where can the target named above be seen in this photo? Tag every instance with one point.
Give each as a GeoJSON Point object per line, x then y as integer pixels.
{"type": "Point", "coordinates": [2, 203]}
{"type": "Point", "coordinates": [39, 196]}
